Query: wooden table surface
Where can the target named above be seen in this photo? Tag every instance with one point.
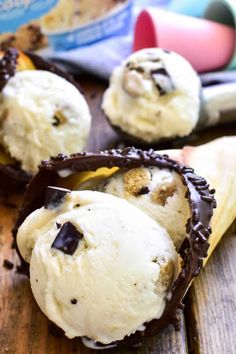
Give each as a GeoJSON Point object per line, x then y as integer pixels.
{"type": "Point", "coordinates": [208, 322]}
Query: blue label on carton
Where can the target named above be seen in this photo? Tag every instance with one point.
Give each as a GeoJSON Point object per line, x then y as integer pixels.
{"type": "Point", "coordinates": [117, 24]}
{"type": "Point", "coordinates": [14, 13]}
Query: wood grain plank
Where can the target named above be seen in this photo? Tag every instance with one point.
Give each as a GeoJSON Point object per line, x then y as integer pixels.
{"type": "Point", "coordinates": [211, 302]}
{"type": "Point", "coordinates": [23, 328]}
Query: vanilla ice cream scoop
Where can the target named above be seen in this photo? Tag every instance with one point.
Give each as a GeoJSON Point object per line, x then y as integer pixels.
{"type": "Point", "coordinates": [160, 193]}
{"type": "Point", "coordinates": [153, 94]}
{"type": "Point", "coordinates": [41, 115]}
{"type": "Point", "coordinates": [99, 266]}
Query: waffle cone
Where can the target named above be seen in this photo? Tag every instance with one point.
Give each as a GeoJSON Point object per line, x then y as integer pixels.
{"type": "Point", "coordinates": [216, 162]}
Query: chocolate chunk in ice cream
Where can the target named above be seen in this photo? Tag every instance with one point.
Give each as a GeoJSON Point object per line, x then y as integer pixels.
{"type": "Point", "coordinates": [54, 197]}
{"type": "Point", "coordinates": [67, 239]}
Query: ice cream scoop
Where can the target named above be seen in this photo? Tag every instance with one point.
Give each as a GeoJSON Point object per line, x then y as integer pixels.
{"type": "Point", "coordinates": [160, 193]}
{"type": "Point", "coordinates": [42, 112]}
{"type": "Point", "coordinates": [99, 267]}
{"type": "Point", "coordinates": [68, 172]}
{"type": "Point", "coordinates": [155, 95]}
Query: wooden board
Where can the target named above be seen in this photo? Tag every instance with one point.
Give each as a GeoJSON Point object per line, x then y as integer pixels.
{"type": "Point", "coordinates": [210, 310]}
{"type": "Point", "coordinates": [211, 302]}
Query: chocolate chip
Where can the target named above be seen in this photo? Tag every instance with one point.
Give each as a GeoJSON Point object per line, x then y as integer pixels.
{"type": "Point", "coordinates": [67, 239]}
{"type": "Point", "coordinates": [139, 69]}
{"type": "Point", "coordinates": [8, 264]}
{"type": "Point", "coordinates": [73, 301]}
{"type": "Point", "coordinates": [77, 206]}
{"type": "Point", "coordinates": [162, 81]}
{"type": "Point", "coordinates": [143, 190]}
{"type": "Point", "coordinates": [166, 51]}
{"type": "Point", "coordinates": [54, 197]}
{"type": "Point", "coordinates": [155, 60]}
{"type": "Point", "coordinates": [58, 225]}
{"type": "Point", "coordinates": [59, 118]}
{"type": "Point", "coordinates": [56, 121]}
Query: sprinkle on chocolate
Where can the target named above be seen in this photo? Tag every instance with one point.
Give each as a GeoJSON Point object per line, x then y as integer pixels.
{"type": "Point", "coordinates": [73, 301]}
{"type": "Point", "coordinates": [8, 264]}
{"type": "Point", "coordinates": [8, 66]}
{"type": "Point", "coordinates": [162, 81]}
{"type": "Point", "coordinates": [54, 197]}
{"type": "Point", "coordinates": [193, 250]}
{"type": "Point", "coordinates": [67, 239]}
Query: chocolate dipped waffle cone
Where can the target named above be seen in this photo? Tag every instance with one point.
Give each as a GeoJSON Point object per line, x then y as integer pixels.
{"type": "Point", "coordinates": [214, 165]}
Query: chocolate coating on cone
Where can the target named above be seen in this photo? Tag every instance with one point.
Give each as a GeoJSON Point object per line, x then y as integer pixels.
{"type": "Point", "coordinates": [8, 66]}
{"type": "Point", "coordinates": [201, 201]}
{"type": "Point", "coordinates": [12, 177]}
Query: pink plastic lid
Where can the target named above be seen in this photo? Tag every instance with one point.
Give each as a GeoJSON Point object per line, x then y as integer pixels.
{"type": "Point", "coordinates": [207, 45]}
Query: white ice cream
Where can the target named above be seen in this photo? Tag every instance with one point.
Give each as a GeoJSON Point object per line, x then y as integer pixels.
{"type": "Point", "coordinates": [153, 94]}
{"type": "Point", "coordinates": [160, 193]}
{"type": "Point", "coordinates": [42, 115]}
{"type": "Point", "coordinates": [119, 275]}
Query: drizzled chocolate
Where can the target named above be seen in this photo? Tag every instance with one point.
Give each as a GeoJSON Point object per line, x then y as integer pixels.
{"type": "Point", "coordinates": [12, 177]}
{"type": "Point", "coordinates": [8, 66]}
{"type": "Point", "coordinates": [201, 201]}
{"type": "Point", "coordinates": [67, 239]}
